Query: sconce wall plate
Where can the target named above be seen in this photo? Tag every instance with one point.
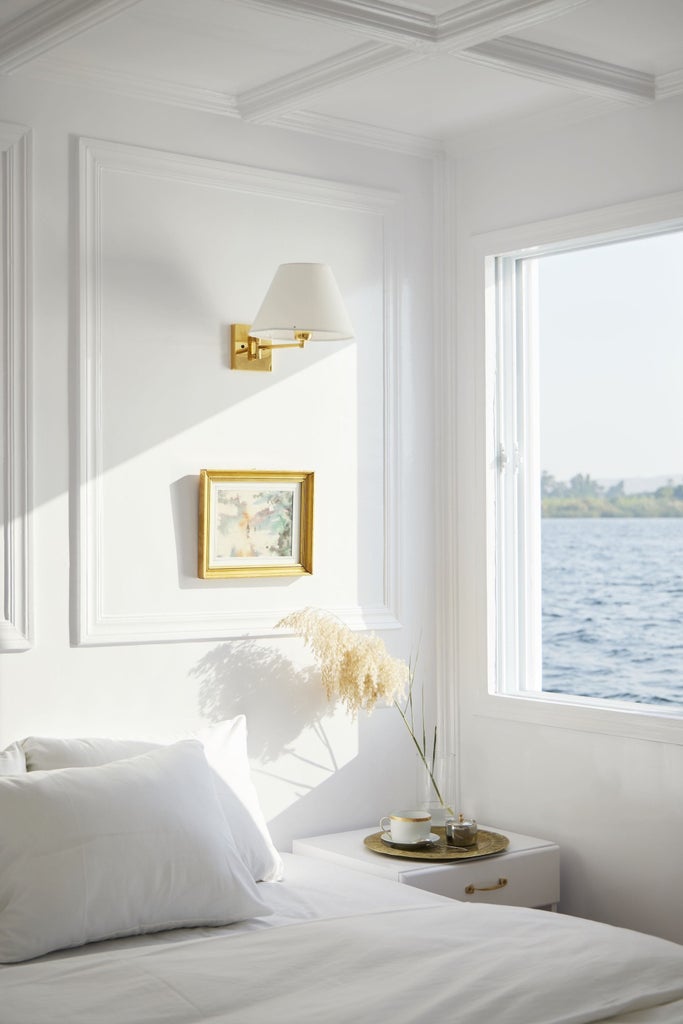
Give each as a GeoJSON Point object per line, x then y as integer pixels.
{"type": "Point", "coordinates": [240, 358]}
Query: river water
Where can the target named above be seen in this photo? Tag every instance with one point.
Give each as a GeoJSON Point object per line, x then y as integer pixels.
{"type": "Point", "coordinates": [613, 608]}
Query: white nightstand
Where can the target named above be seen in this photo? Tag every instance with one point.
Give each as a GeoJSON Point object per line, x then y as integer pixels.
{"type": "Point", "coordinates": [527, 874]}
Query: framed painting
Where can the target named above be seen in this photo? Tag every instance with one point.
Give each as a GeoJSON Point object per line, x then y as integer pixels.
{"type": "Point", "coordinates": [255, 523]}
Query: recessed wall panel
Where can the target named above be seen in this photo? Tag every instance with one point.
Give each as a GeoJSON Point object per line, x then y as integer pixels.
{"type": "Point", "coordinates": [173, 250]}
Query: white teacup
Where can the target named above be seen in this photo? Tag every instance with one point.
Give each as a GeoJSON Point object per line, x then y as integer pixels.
{"type": "Point", "coordinates": [407, 826]}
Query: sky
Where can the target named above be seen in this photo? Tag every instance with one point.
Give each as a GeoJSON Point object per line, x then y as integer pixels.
{"type": "Point", "coordinates": [611, 360]}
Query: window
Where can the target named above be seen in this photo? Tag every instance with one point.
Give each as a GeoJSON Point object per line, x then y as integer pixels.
{"type": "Point", "coordinates": [588, 451]}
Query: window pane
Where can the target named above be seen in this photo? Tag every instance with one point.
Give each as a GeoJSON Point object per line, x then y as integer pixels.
{"type": "Point", "coordinates": [610, 351]}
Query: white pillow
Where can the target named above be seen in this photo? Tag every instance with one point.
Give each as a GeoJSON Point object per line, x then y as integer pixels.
{"type": "Point", "coordinates": [44, 754]}
{"type": "Point", "coordinates": [135, 846]}
{"type": "Point", "coordinates": [12, 760]}
{"type": "Point", "coordinates": [225, 746]}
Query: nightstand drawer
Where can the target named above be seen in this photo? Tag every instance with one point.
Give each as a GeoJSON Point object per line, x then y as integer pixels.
{"type": "Point", "coordinates": [527, 878]}
{"type": "Point", "coordinates": [530, 867]}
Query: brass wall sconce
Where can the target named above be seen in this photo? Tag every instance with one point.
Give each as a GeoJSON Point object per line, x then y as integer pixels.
{"type": "Point", "coordinates": [302, 304]}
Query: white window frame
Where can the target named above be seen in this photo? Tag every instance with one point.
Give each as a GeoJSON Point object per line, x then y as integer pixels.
{"type": "Point", "coordinates": [504, 273]}
{"type": "Point", "coordinates": [517, 470]}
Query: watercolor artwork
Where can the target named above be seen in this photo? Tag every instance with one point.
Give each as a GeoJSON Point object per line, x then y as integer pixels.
{"type": "Point", "coordinates": [255, 523]}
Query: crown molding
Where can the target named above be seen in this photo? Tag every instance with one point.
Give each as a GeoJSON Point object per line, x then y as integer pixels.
{"type": "Point", "coordinates": [135, 86]}
{"type": "Point", "coordinates": [290, 91]}
{"type": "Point", "coordinates": [207, 101]}
{"type": "Point", "coordinates": [559, 67]}
{"type": "Point", "coordinates": [357, 133]}
{"type": "Point", "coordinates": [669, 84]}
{"type": "Point", "coordinates": [16, 604]}
{"type": "Point", "coordinates": [51, 23]}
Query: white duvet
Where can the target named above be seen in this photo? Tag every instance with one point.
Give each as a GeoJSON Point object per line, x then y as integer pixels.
{"type": "Point", "coordinates": [342, 947]}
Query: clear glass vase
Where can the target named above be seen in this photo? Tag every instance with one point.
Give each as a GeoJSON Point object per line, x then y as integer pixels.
{"type": "Point", "coordinates": [436, 787]}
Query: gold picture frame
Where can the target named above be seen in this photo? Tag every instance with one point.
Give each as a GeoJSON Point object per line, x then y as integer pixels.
{"type": "Point", "coordinates": [255, 523]}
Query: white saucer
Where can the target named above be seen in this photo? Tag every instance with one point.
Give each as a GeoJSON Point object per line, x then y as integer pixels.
{"type": "Point", "coordinates": [429, 841]}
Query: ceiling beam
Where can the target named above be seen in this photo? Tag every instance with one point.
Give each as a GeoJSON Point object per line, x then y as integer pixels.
{"type": "Point", "coordinates": [669, 84]}
{"type": "Point", "coordinates": [408, 35]}
{"type": "Point", "coordinates": [50, 23]}
{"type": "Point", "coordinates": [136, 86]}
{"type": "Point", "coordinates": [559, 67]}
{"type": "Point", "coordinates": [387, 22]}
{"type": "Point", "coordinates": [288, 92]}
{"type": "Point", "coordinates": [481, 20]}
{"type": "Point", "coordinates": [464, 25]}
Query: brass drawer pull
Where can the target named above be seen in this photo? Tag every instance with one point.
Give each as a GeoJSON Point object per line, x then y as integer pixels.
{"type": "Point", "coordinates": [500, 884]}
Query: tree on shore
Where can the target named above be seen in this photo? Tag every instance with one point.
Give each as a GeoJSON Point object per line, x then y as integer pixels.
{"type": "Point", "coordinates": [583, 497]}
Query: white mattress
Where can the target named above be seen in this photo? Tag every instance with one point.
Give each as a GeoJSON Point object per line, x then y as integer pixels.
{"type": "Point", "coordinates": [345, 947]}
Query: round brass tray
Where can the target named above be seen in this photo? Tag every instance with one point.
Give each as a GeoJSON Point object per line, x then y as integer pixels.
{"type": "Point", "coordinates": [488, 843]}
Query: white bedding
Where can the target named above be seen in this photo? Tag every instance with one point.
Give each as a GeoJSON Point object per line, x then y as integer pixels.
{"type": "Point", "coordinates": [345, 947]}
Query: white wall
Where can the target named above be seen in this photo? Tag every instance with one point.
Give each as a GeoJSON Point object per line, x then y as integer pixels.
{"type": "Point", "coordinates": [146, 247]}
{"type": "Point", "coordinates": [201, 256]}
{"type": "Point", "coordinates": [610, 794]}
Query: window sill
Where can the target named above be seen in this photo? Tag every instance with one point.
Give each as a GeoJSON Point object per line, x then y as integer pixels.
{"type": "Point", "coordinates": [582, 715]}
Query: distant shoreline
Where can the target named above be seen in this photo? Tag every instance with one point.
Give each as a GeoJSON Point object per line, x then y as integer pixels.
{"type": "Point", "coordinates": [631, 506]}
{"type": "Point", "coordinates": [584, 498]}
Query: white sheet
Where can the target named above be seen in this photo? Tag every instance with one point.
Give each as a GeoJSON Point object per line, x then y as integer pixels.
{"type": "Point", "coordinates": [312, 890]}
{"type": "Point", "coordinates": [342, 946]}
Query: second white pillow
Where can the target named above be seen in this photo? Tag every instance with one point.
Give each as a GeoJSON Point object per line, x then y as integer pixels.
{"type": "Point", "coordinates": [225, 746]}
{"type": "Point", "coordinates": [134, 846]}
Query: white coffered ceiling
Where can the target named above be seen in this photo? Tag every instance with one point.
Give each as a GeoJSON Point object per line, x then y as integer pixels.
{"type": "Point", "coordinates": [411, 76]}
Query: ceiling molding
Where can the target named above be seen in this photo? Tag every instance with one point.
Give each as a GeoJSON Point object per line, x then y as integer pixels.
{"type": "Point", "coordinates": [481, 20]}
{"type": "Point", "coordinates": [289, 91]}
{"type": "Point", "coordinates": [397, 34]}
{"type": "Point", "coordinates": [357, 133]}
{"type": "Point", "coordinates": [387, 22]}
{"type": "Point", "coordinates": [559, 67]}
{"type": "Point", "coordinates": [207, 101]}
{"type": "Point", "coordinates": [135, 86]}
{"type": "Point", "coordinates": [669, 84]}
{"type": "Point", "coordinates": [53, 22]}
{"type": "Point", "coordinates": [464, 25]}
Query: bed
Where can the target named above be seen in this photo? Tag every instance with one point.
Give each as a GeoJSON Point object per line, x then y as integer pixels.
{"type": "Point", "coordinates": [313, 942]}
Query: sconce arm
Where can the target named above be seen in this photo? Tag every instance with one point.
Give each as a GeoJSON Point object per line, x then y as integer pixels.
{"type": "Point", "coordinates": [249, 353]}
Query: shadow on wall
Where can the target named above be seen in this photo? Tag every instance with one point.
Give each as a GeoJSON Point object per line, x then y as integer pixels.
{"type": "Point", "coordinates": [278, 699]}
{"type": "Point", "coordinates": [355, 796]}
{"type": "Point", "coordinates": [286, 708]}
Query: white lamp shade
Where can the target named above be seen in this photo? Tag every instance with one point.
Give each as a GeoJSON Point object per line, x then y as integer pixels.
{"type": "Point", "coordinates": [303, 297]}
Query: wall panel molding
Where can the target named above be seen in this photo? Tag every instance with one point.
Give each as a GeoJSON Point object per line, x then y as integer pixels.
{"type": "Point", "coordinates": [15, 426]}
{"type": "Point", "coordinates": [446, 434]}
{"type": "Point", "coordinates": [93, 625]}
